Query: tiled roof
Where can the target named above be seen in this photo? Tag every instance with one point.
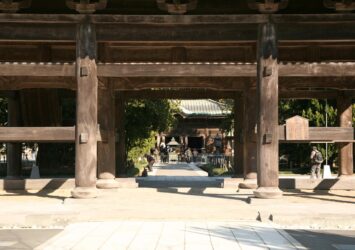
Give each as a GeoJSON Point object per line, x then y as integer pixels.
{"type": "Point", "coordinates": [202, 107]}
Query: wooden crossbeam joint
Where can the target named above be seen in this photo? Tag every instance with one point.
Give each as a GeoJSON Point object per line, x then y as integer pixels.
{"type": "Point", "coordinates": [85, 6]}
{"type": "Point", "coordinates": [267, 6]}
{"type": "Point", "coordinates": [10, 6]}
{"type": "Point", "coordinates": [176, 6]}
{"type": "Point", "coordinates": [340, 5]}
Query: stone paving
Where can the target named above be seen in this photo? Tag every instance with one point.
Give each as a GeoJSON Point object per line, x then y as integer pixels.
{"type": "Point", "coordinates": [178, 169]}
{"type": "Point", "coordinates": [175, 218]}
{"type": "Point", "coordinates": [171, 235]}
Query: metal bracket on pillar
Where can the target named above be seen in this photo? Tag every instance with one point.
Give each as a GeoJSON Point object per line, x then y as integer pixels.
{"type": "Point", "coordinates": [267, 71]}
{"type": "Point", "coordinates": [267, 138]}
{"type": "Point", "coordinates": [83, 138]}
{"type": "Point", "coordinates": [84, 71]}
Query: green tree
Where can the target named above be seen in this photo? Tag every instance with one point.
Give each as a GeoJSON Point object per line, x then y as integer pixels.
{"type": "Point", "coordinates": [314, 110]}
{"type": "Point", "coordinates": [143, 119]}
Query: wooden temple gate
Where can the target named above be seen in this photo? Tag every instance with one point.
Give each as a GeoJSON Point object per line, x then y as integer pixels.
{"type": "Point", "coordinates": [253, 59]}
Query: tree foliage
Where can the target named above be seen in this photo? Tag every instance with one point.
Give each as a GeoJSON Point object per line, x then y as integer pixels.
{"type": "Point", "coordinates": [143, 118]}
{"type": "Point", "coordinates": [315, 111]}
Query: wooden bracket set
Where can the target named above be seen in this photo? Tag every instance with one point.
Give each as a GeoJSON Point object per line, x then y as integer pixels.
{"type": "Point", "coordinates": [10, 6]}
{"type": "Point", "coordinates": [267, 6]}
{"type": "Point", "coordinates": [85, 6]}
{"type": "Point", "coordinates": [176, 7]}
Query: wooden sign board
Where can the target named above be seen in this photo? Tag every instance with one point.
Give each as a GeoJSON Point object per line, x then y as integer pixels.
{"type": "Point", "coordinates": [297, 128]}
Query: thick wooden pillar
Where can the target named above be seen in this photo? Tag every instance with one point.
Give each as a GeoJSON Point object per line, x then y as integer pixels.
{"type": "Point", "coordinates": [267, 110]}
{"type": "Point", "coordinates": [238, 135]}
{"type": "Point", "coordinates": [345, 115]}
{"type": "Point", "coordinates": [106, 154]}
{"type": "Point", "coordinates": [13, 150]}
{"type": "Point", "coordinates": [249, 135]}
{"type": "Point", "coordinates": [121, 142]}
{"type": "Point", "coordinates": [86, 112]}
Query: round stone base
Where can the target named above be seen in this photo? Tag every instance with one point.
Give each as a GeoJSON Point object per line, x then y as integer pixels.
{"type": "Point", "coordinates": [248, 184]}
{"type": "Point", "coordinates": [84, 192]}
{"type": "Point", "coordinates": [107, 183]}
{"type": "Point", "coordinates": [268, 193]}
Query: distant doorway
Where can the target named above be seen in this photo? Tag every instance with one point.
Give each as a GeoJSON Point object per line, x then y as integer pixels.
{"type": "Point", "coordinates": [195, 142]}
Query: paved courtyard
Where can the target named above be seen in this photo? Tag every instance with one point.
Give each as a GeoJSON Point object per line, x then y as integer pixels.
{"type": "Point", "coordinates": [150, 235]}
{"type": "Point", "coordinates": [176, 217]}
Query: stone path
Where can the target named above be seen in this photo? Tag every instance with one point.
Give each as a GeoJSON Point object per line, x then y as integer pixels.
{"type": "Point", "coordinates": [178, 175]}
{"type": "Point", "coordinates": [178, 169]}
{"type": "Point", "coordinates": [171, 235]}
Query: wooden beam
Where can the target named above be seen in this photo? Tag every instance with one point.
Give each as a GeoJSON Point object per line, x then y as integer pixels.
{"type": "Point", "coordinates": [211, 83]}
{"type": "Point", "coordinates": [37, 134]}
{"type": "Point", "coordinates": [37, 69]}
{"type": "Point", "coordinates": [332, 83]}
{"type": "Point", "coordinates": [175, 69]}
{"type": "Point", "coordinates": [167, 69]}
{"type": "Point", "coordinates": [121, 28]}
{"type": "Point", "coordinates": [35, 82]}
{"type": "Point", "coordinates": [179, 94]}
{"type": "Point", "coordinates": [175, 19]}
{"type": "Point", "coordinates": [43, 134]}
{"type": "Point", "coordinates": [329, 134]}
{"type": "Point", "coordinates": [309, 94]}
{"type": "Point", "coordinates": [317, 69]}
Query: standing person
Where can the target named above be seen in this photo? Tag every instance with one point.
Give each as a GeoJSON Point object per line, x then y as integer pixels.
{"type": "Point", "coordinates": [228, 156]}
{"type": "Point", "coordinates": [150, 160]}
{"type": "Point", "coordinates": [163, 152]}
{"type": "Point", "coordinates": [316, 162]}
{"type": "Point", "coordinates": [188, 155]}
{"type": "Point", "coordinates": [194, 155]}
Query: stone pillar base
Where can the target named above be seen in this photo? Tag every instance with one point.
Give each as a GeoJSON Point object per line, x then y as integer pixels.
{"type": "Point", "coordinates": [248, 184]}
{"type": "Point", "coordinates": [84, 192]}
{"type": "Point", "coordinates": [268, 193]}
{"type": "Point", "coordinates": [107, 183]}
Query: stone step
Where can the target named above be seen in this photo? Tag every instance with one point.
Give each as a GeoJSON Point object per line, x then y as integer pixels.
{"type": "Point", "coordinates": [179, 182]}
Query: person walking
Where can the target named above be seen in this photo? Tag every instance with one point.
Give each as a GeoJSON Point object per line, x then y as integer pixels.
{"type": "Point", "coordinates": [188, 155]}
{"type": "Point", "coordinates": [150, 160]}
{"type": "Point", "coordinates": [316, 162]}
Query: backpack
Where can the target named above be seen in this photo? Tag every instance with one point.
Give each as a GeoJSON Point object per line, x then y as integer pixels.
{"type": "Point", "coordinates": [318, 158]}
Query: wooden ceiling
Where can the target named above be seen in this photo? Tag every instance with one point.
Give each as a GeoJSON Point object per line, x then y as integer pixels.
{"type": "Point", "coordinates": [203, 7]}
